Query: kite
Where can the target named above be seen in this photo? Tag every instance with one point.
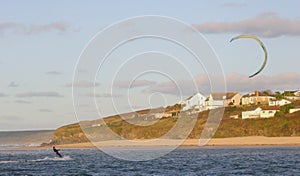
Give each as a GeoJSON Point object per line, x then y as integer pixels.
{"type": "Point", "coordinates": [261, 44]}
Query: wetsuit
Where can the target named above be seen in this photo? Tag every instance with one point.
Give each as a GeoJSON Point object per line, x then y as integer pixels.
{"type": "Point", "coordinates": [56, 151]}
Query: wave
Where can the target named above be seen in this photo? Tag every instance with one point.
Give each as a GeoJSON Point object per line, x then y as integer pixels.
{"type": "Point", "coordinates": [64, 158]}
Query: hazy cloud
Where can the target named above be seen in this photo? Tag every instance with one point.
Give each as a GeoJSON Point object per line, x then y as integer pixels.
{"type": "Point", "coordinates": [10, 117]}
{"type": "Point", "coordinates": [283, 81]}
{"type": "Point", "coordinates": [234, 5]}
{"type": "Point", "coordinates": [137, 83]}
{"type": "Point", "coordinates": [265, 25]}
{"type": "Point", "coordinates": [22, 101]}
{"type": "Point", "coordinates": [39, 94]}
{"type": "Point", "coordinates": [45, 110]}
{"type": "Point", "coordinates": [13, 84]}
{"type": "Point", "coordinates": [104, 95]}
{"type": "Point", "coordinates": [3, 95]}
{"type": "Point", "coordinates": [234, 82]}
{"type": "Point", "coordinates": [53, 73]}
{"type": "Point", "coordinates": [179, 88]}
{"type": "Point", "coordinates": [58, 26]}
{"type": "Point", "coordinates": [136, 107]}
{"type": "Point", "coordinates": [83, 84]}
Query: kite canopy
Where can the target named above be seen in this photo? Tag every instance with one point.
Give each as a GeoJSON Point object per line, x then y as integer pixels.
{"type": "Point", "coordinates": [261, 44]}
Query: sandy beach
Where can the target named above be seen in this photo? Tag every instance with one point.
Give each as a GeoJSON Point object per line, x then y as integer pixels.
{"type": "Point", "coordinates": [236, 141]}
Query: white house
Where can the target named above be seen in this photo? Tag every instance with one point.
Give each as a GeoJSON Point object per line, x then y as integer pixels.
{"type": "Point", "coordinates": [263, 112]}
{"type": "Point", "coordinates": [252, 114]}
{"type": "Point", "coordinates": [292, 110]}
{"type": "Point", "coordinates": [222, 99]}
{"type": "Point", "coordinates": [256, 98]}
{"type": "Point", "coordinates": [268, 112]}
{"type": "Point", "coordinates": [281, 102]}
{"type": "Point", "coordinates": [297, 93]}
{"type": "Point", "coordinates": [194, 102]}
{"type": "Point", "coordinates": [292, 97]}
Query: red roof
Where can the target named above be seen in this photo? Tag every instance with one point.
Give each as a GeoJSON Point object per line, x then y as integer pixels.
{"type": "Point", "coordinates": [271, 108]}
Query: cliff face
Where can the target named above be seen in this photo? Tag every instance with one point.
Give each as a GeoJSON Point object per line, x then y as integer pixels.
{"type": "Point", "coordinates": [285, 125]}
{"type": "Point", "coordinates": [69, 134]}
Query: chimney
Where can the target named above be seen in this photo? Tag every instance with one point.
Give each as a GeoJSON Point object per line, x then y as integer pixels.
{"type": "Point", "coordinates": [256, 93]}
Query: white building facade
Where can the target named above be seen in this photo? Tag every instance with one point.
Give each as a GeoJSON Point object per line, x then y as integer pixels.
{"type": "Point", "coordinates": [194, 102]}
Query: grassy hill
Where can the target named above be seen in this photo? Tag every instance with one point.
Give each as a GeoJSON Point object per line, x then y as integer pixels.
{"type": "Point", "coordinates": [282, 125]}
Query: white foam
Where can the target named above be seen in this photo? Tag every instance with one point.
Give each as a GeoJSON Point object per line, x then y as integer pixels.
{"type": "Point", "coordinates": [65, 158]}
{"type": "Point", "coordinates": [5, 162]}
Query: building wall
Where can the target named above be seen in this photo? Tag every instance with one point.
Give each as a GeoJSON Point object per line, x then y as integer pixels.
{"type": "Point", "coordinates": [279, 102]}
{"type": "Point", "coordinates": [267, 113]}
{"type": "Point", "coordinates": [292, 97]}
{"type": "Point", "coordinates": [197, 101]}
{"type": "Point", "coordinates": [236, 99]}
{"type": "Point", "coordinates": [213, 104]}
{"type": "Point", "coordinates": [294, 110]}
{"type": "Point", "coordinates": [256, 100]}
{"type": "Point", "coordinates": [251, 114]}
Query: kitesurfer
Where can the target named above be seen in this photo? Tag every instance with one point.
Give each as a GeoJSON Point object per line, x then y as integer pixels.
{"type": "Point", "coordinates": [56, 151]}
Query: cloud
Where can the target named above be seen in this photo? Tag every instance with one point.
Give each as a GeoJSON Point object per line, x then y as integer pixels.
{"type": "Point", "coordinates": [233, 5]}
{"type": "Point", "coordinates": [265, 25]}
{"type": "Point", "coordinates": [3, 95]}
{"type": "Point", "coordinates": [234, 82]}
{"type": "Point", "coordinates": [83, 84]}
{"type": "Point", "coordinates": [22, 102]}
{"type": "Point", "coordinates": [13, 84]}
{"type": "Point", "coordinates": [53, 73]}
{"type": "Point", "coordinates": [136, 107]}
{"type": "Point", "coordinates": [136, 83]}
{"type": "Point", "coordinates": [104, 95]}
{"type": "Point", "coordinates": [179, 88]}
{"type": "Point", "coordinates": [10, 117]}
{"type": "Point", "coordinates": [18, 28]}
{"type": "Point", "coordinates": [45, 110]}
{"type": "Point", "coordinates": [283, 81]}
{"type": "Point", "coordinates": [39, 94]}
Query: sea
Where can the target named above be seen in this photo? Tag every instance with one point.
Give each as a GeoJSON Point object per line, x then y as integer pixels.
{"type": "Point", "coordinates": [260, 160]}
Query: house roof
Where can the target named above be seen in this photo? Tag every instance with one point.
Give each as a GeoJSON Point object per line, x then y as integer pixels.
{"type": "Point", "coordinates": [220, 95]}
{"type": "Point", "coordinates": [252, 108]}
{"type": "Point", "coordinates": [291, 91]}
{"type": "Point", "coordinates": [261, 94]}
{"type": "Point", "coordinates": [270, 108]}
{"type": "Point", "coordinates": [190, 97]}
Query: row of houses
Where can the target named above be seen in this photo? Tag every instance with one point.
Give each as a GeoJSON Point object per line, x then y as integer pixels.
{"type": "Point", "coordinates": [198, 102]}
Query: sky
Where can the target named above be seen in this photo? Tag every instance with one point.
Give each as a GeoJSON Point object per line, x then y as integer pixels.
{"type": "Point", "coordinates": [41, 43]}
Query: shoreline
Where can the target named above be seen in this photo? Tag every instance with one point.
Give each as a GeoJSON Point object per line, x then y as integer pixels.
{"type": "Point", "coordinates": [234, 142]}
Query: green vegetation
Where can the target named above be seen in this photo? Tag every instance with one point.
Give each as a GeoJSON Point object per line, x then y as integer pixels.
{"type": "Point", "coordinates": [283, 124]}
{"type": "Point", "coordinates": [284, 110]}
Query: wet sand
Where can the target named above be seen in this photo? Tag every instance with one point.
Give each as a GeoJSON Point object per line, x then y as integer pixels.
{"type": "Point", "coordinates": [236, 141]}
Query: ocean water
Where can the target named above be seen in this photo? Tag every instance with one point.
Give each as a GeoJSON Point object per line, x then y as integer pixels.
{"type": "Point", "coordinates": [182, 161]}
